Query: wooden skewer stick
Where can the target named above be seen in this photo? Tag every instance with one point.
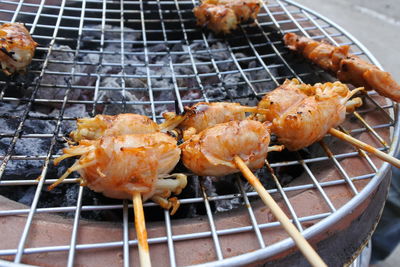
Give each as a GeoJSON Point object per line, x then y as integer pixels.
{"type": "Point", "coordinates": [313, 258]}
{"type": "Point", "coordinates": [141, 233]}
{"type": "Point", "coordinates": [383, 156]}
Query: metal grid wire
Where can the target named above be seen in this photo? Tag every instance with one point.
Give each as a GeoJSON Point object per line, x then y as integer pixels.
{"type": "Point", "coordinates": [113, 23]}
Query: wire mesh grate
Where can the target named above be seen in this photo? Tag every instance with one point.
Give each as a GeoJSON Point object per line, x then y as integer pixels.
{"type": "Point", "coordinates": [149, 57]}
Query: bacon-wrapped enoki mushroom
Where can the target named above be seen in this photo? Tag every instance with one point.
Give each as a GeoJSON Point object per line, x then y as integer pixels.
{"type": "Point", "coordinates": [347, 67]}
{"type": "Point", "coordinates": [109, 125]}
{"type": "Point", "coordinates": [16, 47]}
{"type": "Point", "coordinates": [211, 152]}
{"type": "Point", "coordinates": [118, 166]}
{"type": "Point", "coordinates": [222, 16]}
{"type": "Point", "coordinates": [299, 122]}
{"type": "Point", "coordinates": [238, 146]}
{"type": "Point", "coordinates": [203, 115]}
{"type": "Point", "coordinates": [279, 100]}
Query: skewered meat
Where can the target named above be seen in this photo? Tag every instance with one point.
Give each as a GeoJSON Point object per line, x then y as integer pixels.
{"type": "Point", "coordinates": [301, 114]}
{"type": "Point", "coordinates": [117, 166]}
{"type": "Point", "coordinates": [211, 151]}
{"type": "Point", "coordinates": [347, 67]}
{"type": "Point", "coordinates": [299, 124]}
{"type": "Point", "coordinates": [204, 115]}
{"type": "Point", "coordinates": [279, 100]}
{"type": "Point", "coordinates": [224, 15]}
{"type": "Point", "coordinates": [16, 47]}
{"type": "Point", "coordinates": [107, 125]}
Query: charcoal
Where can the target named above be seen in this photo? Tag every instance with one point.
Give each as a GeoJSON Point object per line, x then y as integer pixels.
{"type": "Point", "coordinates": [118, 95]}
{"type": "Point", "coordinates": [60, 53]}
{"type": "Point", "coordinates": [23, 169]}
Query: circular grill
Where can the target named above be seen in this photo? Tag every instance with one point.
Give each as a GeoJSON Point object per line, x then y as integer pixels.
{"type": "Point", "coordinates": [149, 57]}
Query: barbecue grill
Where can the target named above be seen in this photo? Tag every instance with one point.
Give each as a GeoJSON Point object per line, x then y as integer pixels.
{"type": "Point", "coordinates": [149, 57]}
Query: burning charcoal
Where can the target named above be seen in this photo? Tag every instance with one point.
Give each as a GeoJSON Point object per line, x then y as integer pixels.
{"type": "Point", "coordinates": [94, 60]}
{"type": "Point", "coordinates": [117, 95]}
{"type": "Point", "coordinates": [261, 75]}
{"type": "Point", "coordinates": [62, 54]}
{"type": "Point", "coordinates": [28, 196]}
{"type": "Point", "coordinates": [223, 185]}
{"type": "Point", "coordinates": [110, 33]}
{"type": "Point", "coordinates": [21, 169]}
{"type": "Point", "coordinates": [31, 168]}
{"type": "Point", "coordinates": [74, 111]}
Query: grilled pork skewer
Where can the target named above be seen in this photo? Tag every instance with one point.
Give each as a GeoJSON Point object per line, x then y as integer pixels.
{"type": "Point", "coordinates": [130, 126]}
{"type": "Point", "coordinates": [108, 125]}
{"type": "Point", "coordinates": [308, 112]}
{"type": "Point", "coordinates": [300, 114]}
{"type": "Point", "coordinates": [117, 166]}
{"type": "Point", "coordinates": [126, 156]}
{"type": "Point", "coordinates": [203, 115]}
{"type": "Point", "coordinates": [130, 166]}
{"type": "Point", "coordinates": [302, 120]}
{"type": "Point", "coordinates": [222, 16]}
{"type": "Point", "coordinates": [286, 98]}
{"type": "Point", "coordinates": [211, 151]}
{"type": "Point", "coordinates": [240, 146]}
{"type": "Point", "coordinates": [276, 102]}
{"type": "Point", "coordinates": [347, 67]}
{"type": "Point", "coordinates": [16, 47]}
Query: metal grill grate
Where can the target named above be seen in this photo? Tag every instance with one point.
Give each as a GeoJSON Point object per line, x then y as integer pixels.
{"type": "Point", "coordinates": [94, 41]}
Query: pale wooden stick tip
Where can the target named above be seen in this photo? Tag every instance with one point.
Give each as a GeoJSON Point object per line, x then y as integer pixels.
{"type": "Point", "coordinates": [141, 233]}
{"type": "Point", "coordinates": [383, 156]}
{"type": "Point", "coordinates": [308, 251]}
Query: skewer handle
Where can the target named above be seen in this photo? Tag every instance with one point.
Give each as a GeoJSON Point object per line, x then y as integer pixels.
{"type": "Point", "coordinates": [141, 233]}
{"type": "Point", "coordinates": [383, 156]}
{"type": "Point", "coordinates": [313, 258]}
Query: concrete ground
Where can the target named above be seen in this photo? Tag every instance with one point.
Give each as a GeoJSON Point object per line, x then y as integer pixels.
{"type": "Point", "coordinates": [377, 25]}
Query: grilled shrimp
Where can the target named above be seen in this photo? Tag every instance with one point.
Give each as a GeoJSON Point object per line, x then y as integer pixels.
{"type": "Point", "coordinates": [204, 115]}
{"type": "Point", "coordinates": [211, 151]}
{"type": "Point", "coordinates": [309, 120]}
{"type": "Point", "coordinates": [117, 166]}
{"type": "Point", "coordinates": [16, 47]}
{"type": "Point", "coordinates": [347, 67]}
{"type": "Point", "coordinates": [224, 15]}
{"type": "Point", "coordinates": [107, 125]}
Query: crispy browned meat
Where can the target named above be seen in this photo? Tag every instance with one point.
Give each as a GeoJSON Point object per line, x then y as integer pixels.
{"type": "Point", "coordinates": [279, 100]}
{"type": "Point", "coordinates": [118, 166]}
{"type": "Point", "coordinates": [347, 67]}
{"type": "Point", "coordinates": [113, 125]}
{"type": "Point", "coordinates": [16, 47]}
{"type": "Point", "coordinates": [211, 151]}
{"type": "Point", "coordinates": [123, 154]}
{"type": "Point", "coordinates": [203, 115]}
{"type": "Point", "coordinates": [305, 118]}
{"type": "Point", "coordinates": [222, 16]}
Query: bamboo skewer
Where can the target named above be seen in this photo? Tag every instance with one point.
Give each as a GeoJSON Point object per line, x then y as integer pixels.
{"type": "Point", "coordinates": [383, 156]}
{"type": "Point", "coordinates": [141, 233]}
{"type": "Point", "coordinates": [313, 258]}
